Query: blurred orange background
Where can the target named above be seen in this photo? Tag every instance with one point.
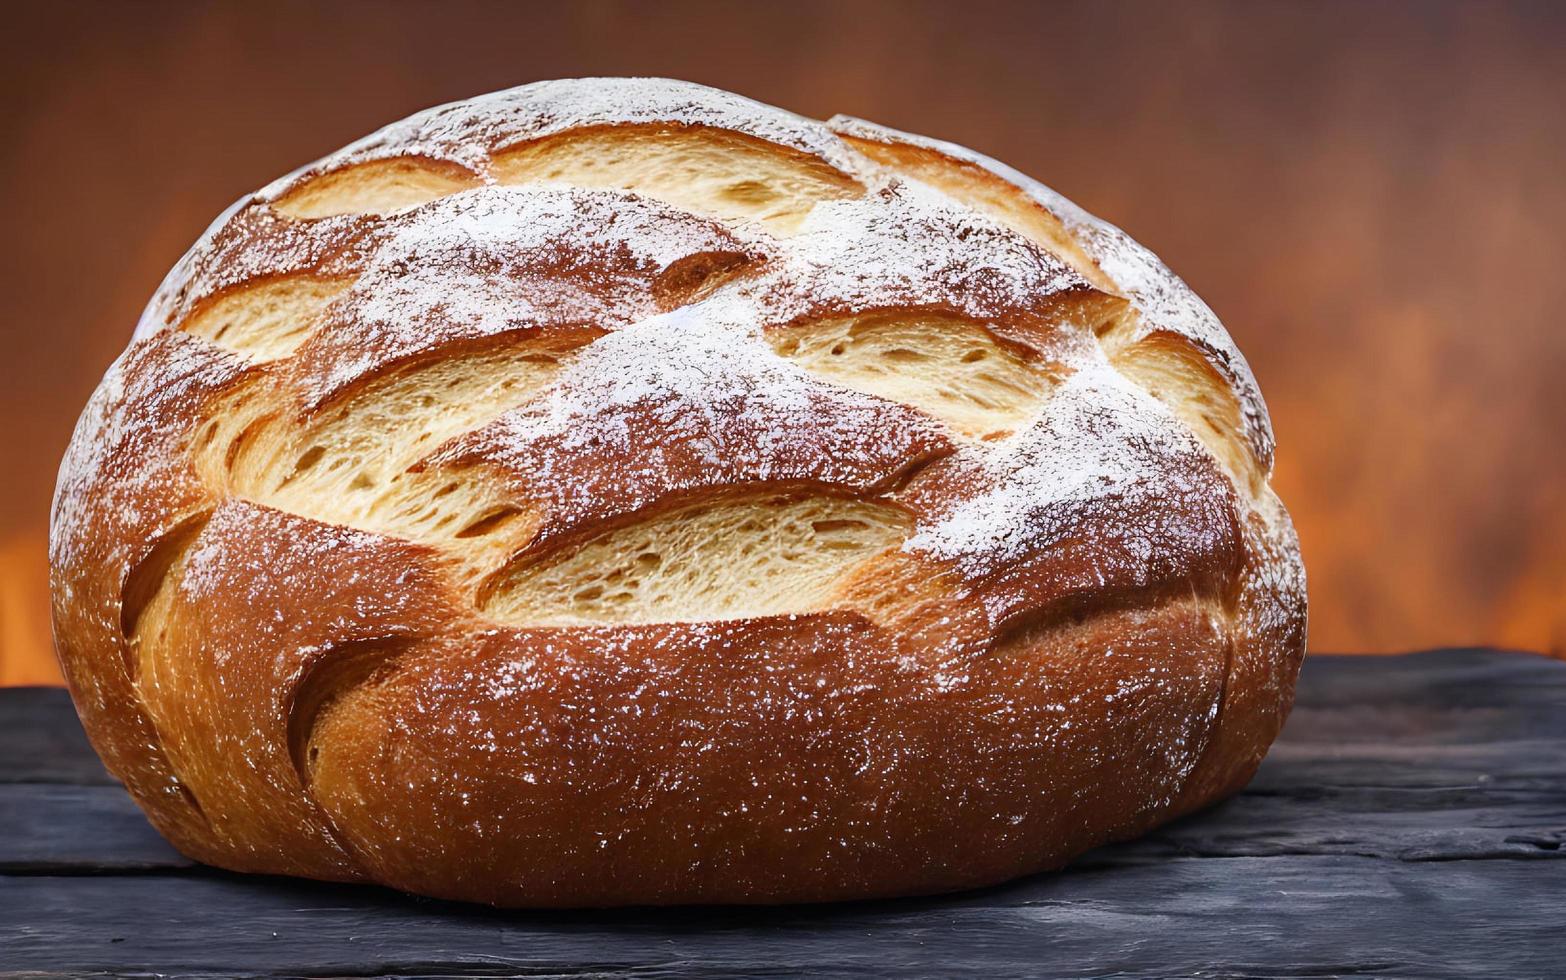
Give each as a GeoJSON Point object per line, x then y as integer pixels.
{"type": "Point", "coordinates": [1370, 195]}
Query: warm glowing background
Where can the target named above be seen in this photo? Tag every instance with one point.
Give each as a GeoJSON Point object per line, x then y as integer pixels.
{"type": "Point", "coordinates": [1371, 195]}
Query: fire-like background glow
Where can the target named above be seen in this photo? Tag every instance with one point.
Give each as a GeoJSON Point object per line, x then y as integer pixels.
{"type": "Point", "coordinates": [1371, 195]}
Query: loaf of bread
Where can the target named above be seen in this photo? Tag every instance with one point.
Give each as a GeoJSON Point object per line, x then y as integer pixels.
{"type": "Point", "coordinates": [616, 491]}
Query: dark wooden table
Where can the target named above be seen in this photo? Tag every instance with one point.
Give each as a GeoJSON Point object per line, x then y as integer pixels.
{"type": "Point", "coordinates": [1410, 822]}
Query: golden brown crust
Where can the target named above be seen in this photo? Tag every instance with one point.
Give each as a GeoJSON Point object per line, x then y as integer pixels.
{"type": "Point", "coordinates": [616, 491]}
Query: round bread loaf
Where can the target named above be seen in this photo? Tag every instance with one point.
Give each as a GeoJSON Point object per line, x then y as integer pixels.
{"type": "Point", "coordinates": [618, 491]}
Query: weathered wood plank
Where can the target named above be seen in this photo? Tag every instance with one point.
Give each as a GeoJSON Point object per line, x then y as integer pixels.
{"type": "Point", "coordinates": [1368, 844]}
{"type": "Point", "coordinates": [1298, 916]}
{"type": "Point", "coordinates": [42, 742]}
{"type": "Point", "coordinates": [54, 829]}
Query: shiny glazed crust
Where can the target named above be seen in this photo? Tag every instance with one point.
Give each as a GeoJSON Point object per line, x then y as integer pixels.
{"type": "Point", "coordinates": [616, 491]}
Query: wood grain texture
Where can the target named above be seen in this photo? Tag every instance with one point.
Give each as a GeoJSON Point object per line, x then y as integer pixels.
{"type": "Point", "coordinates": [1410, 822]}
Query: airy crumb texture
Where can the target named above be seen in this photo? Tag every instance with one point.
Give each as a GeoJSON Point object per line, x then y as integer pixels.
{"type": "Point", "coordinates": [617, 491]}
{"type": "Point", "coordinates": [730, 560]}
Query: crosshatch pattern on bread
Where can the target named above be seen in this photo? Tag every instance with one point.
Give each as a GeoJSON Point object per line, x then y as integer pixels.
{"type": "Point", "coordinates": [618, 491]}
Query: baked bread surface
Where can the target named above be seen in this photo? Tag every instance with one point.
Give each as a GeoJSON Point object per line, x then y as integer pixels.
{"type": "Point", "coordinates": [617, 491]}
